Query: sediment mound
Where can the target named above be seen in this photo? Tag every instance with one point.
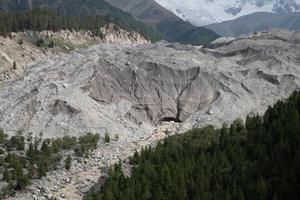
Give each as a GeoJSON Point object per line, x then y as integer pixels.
{"type": "Point", "coordinates": [127, 90]}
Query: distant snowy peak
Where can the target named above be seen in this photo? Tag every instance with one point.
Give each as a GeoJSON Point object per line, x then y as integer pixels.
{"type": "Point", "coordinates": [286, 6]}
{"type": "Point", "coordinates": [204, 12]}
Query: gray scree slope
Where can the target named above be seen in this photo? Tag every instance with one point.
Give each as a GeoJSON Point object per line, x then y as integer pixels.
{"type": "Point", "coordinates": [126, 90]}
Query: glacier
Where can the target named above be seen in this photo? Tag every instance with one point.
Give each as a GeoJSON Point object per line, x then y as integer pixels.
{"type": "Point", "coordinates": [205, 12]}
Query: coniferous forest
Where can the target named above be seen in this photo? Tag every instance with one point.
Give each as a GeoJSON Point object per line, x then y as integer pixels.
{"type": "Point", "coordinates": [42, 19]}
{"type": "Point", "coordinates": [258, 159]}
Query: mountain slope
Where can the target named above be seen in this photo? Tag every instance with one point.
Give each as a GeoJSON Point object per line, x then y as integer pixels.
{"type": "Point", "coordinates": [256, 160]}
{"type": "Point", "coordinates": [130, 91]}
{"type": "Point", "coordinates": [169, 25]}
{"type": "Point", "coordinates": [127, 89]}
{"type": "Point", "coordinates": [257, 22]}
{"type": "Point", "coordinates": [146, 10]}
{"type": "Point", "coordinates": [70, 7]}
{"type": "Point", "coordinates": [86, 7]}
{"type": "Point", "coordinates": [31, 36]}
{"type": "Point", "coordinates": [23, 49]}
{"type": "Point", "coordinates": [204, 12]}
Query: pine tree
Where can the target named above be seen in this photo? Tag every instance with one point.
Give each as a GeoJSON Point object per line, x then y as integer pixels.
{"type": "Point", "coordinates": [107, 138]}
{"type": "Point", "coordinates": [6, 175]}
{"type": "Point", "coordinates": [30, 153]}
{"type": "Point", "coordinates": [68, 163]}
{"type": "Point", "coordinates": [51, 44]}
{"type": "Point", "coordinates": [45, 148]}
{"type": "Point", "coordinates": [14, 65]}
{"type": "Point", "coordinates": [42, 170]}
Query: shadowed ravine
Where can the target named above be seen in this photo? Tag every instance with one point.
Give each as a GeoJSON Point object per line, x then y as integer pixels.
{"type": "Point", "coordinates": [155, 92]}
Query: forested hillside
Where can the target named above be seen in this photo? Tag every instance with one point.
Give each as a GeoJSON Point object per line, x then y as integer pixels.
{"type": "Point", "coordinates": [16, 16]}
{"type": "Point", "coordinates": [171, 27]}
{"type": "Point", "coordinates": [256, 160]}
{"type": "Point", "coordinates": [164, 24]}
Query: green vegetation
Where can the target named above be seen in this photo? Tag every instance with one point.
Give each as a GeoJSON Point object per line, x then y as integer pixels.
{"type": "Point", "coordinates": [86, 8]}
{"type": "Point", "coordinates": [51, 44]}
{"type": "Point", "coordinates": [20, 41]}
{"type": "Point", "coordinates": [256, 160]}
{"type": "Point", "coordinates": [117, 137]}
{"type": "Point", "coordinates": [68, 163]}
{"type": "Point", "coordinates": [107, 138]}
{"type": "Point", "coordinates": [170, 28]}
{"type": "Point", "coordinates": [198, 36]}
{"type": "Point", "coordinates": [87, 143]}
{"type": "Point", "coordinates": [42, 19]}
{"type": "Point", "coordinates": [25, 158]}
{"type": "Point", "coordinates": [185, 33]}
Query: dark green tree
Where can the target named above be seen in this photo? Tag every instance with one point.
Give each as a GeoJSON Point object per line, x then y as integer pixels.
{"type": "Point", "coordinates": [68, 163]}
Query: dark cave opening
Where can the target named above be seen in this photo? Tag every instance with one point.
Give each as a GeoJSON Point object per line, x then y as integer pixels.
{"type": "Point", "coordinates": [169, 119]}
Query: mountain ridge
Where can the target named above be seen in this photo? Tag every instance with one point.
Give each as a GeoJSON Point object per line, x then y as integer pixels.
{"type": "Point", "coordinates": [82, 8]}
{"type": "Point", "coordinates": [257, 22]}
{"type": "Point", "coordinates": [168, 24]}
{"type": "Point", "coordinates": [204, 12]}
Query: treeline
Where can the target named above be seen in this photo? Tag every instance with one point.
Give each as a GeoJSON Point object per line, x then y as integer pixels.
{"type": "Point", "coordinates": [43, 19]}
{"type": "Point", "coordinates": [23, 158]}
{"type": "Point", "coordinates": [256, 160]}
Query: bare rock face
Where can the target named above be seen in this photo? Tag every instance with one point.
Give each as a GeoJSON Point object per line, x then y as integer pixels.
{"type": "Point", "coordinates": [110, 34]}
{"type": "Point", "coordinates": [126, 90]}
{"type": "Point", "coordinates": [113, 34]}
{"type": "Point", "coordinates": [156, 91]}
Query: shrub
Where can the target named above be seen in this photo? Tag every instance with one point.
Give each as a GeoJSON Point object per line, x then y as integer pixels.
{"type": "Point", "coordinates": [14, 65]}
{"type": "Point", "coordinates": [51, 44]}
{"type": "Point", "coordinates": [68, 163]}
{"type": "Point", "coordinates": [107, 138]}
{"type": "Point", "coordinates": [116, 137]}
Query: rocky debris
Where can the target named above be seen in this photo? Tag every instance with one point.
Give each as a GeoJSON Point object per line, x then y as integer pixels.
{"type": "Point", "coordinates": [144, 93]}
{"type": "Point", "coordinates": [124, 89]}
{"type": "Point", "coordinates": [113, 34]}
{"type": "Point", "coordinates": [17, 50]}
{"type": "Point", "coordinates": [62, 107]}
{"type": "Point", "coordinates": [20, 50]}
{"type": "Point", "coordinates": [86, 172]}
{"type": "Point", "coordinates": [110, 34]}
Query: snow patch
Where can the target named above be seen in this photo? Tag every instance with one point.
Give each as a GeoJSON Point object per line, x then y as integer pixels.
{"type": "Point", "coordinates": [204, 12]}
